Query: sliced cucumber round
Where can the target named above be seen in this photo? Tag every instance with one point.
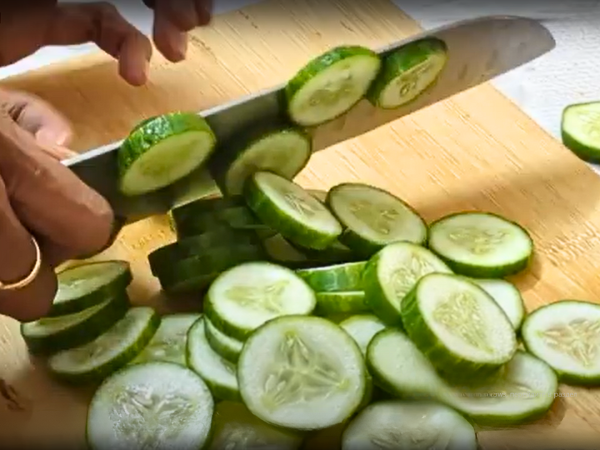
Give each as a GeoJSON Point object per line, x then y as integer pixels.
{"type": "Point", "coordinates": [282, 252]}
{"type": "Point", "coordinates": [507, 296]}
{"type": "Point", "coordinates": [481, 245]}
{"type": "Point", "coordinates": [335, 278]}
{"type": "Point", "coordinates": [169, 342]}
{"type": "Point", "coordinates": [579, 130]}
{"type": "Point", "coordinates": [459, 326]}
{"type": "Point", "coordinates": [109, 352]}
{"type": "Point", "coordinates": [331, 84]}
{"type": "Point", "coordinates": [219, 374]}
{"type": "Point", "coordinates": [88, 284]}
{"type": "Point", "coordinates": [225, 346]}
{"type": "Point", "coordinates": [373, 218]}
{"type": "Point", "coordinates": [392, 273]}
{"type": "Point", "coordinates": [408, 72]}
{"type": "Point", "coordinates": [162, 151]}
{"type": "Point", "coordinates": [347, 302]}
{"type": "Point", "coordinates": [245, 297]}
{"type": "Point", "coordinates": [409, 425]}
{"type": "Point", "coordinates": [302, 373]}
{"type": "Point", "coordinates": [362, 328]}
{"type": "Point", "coordinates": [286, 207]}
{"type": "Point", "coordinates": [566, 335]}
{"type": "Point", "coordinates": [156, 405]}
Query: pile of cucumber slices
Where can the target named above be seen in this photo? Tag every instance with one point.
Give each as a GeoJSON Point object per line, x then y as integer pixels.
{"type": "Point", "coordinates": [320, 309]}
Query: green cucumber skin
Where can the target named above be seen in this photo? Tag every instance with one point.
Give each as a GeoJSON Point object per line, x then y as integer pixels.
{"type": "Point", "coordinates": [220, 350]}
{"type": "Point", "coordinates": [238, 218]}
{"type": "Point", "coordinates": [400, 60]}
{"type": "Point", "coordinates": [189, 211]}
{"type": "Point", "coordinates": [222, 325]}
{"type": "Point", "coordinates": [583, 152]}
{"type": "Point", "coordinates": [327, 304]}
{"type": "Point", "coordinates": [324, 280]}
{"type": "Point", "coordinates": [322, 62]}
{"type": "Point", "coordinates": [375, 295]}
{"type": "Point", "coordinates": [83, 332]}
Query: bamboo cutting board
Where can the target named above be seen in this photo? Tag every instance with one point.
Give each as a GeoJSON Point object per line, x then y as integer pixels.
{"type": "Point", "coordinates": [475, 151]}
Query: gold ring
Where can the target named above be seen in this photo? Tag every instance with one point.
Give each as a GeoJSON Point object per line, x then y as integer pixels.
{"type": "Point", "coordinates": [32, 275]}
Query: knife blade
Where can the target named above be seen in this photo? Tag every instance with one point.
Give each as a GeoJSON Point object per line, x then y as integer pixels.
{"type": "Point", "coordinates": [478, 50]}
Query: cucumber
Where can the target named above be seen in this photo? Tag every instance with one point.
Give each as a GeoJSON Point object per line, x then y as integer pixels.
{"type": "Point", "coordinates": [508, 298]}
{"type": "Point", "coordinates": [89, 284]}
{"type": "Point", "coordinates": [362, 328]}
{"type": "Point", "coordinates": [204, 207]}
{"type": "Point", "coordinates": [348, 302]}
{"type": "Point", "coordinates": [524, 391]}
{"type": "Point", "coordinates": [109, 352]}
{"type": "Point", "coordinates": [331, 84]}
{"type": "Point", "coordinates": [282, 252]}
{"type": "Point", "coordinates": [392, 273]}
{"type": "Point", "coordinates": [218, 374]}
{"type": "Point", "coordinates": [286, 207]}
{"type": "Point", "coordinates": [301, 372]}
{"type": "Point", "coordinates": [226, 347]}
{"type": "Point", "coordinates": [244, 297]}
{"type": "Point", "coordinates": [284, 151]}
{"type": "Point", "coordinates": [458, 326]}
{"type": "Point", "coordinates": [162, 151]}
{"type": "Point", "coordinates": [481, 244]}
{"type": "Point", "coordinates": [53, 334]}
{"type": "Point", "coordinates": [408, 425]}
{"type": "Point", "coordinates": [169, 342]}
{"type": "Point", "coordinates": [566, 335]}
{"type": "Point", "coordinates": [335, 278]}
{"type": "Point", "coordinates": [579, 133]}
{"type": "Point", "coordinates": [156, 405]}
{"type": "Point", "coordinates": [408, 72]}
{"type": "Point", "coordinates": [235, 427]}
{"type": "Point", "coordinates": [373, 218]}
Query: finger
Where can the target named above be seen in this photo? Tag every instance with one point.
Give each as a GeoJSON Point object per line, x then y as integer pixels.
{"type": "Point", "coordinates": [57, 152]}
{"type": "Point", "coordinates": [169, 40]}
{"type": "Point", "coordinates": [204, 10]}
{"type": "Point", "coordinates": [181, 14]}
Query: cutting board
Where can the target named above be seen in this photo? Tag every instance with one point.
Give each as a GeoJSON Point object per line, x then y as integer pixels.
{"type": "Point", "coordinates": [474, 151]}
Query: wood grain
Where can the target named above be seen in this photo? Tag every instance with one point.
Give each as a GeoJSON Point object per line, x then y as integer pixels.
{"type": "Point", "coordinates": [475, 151]}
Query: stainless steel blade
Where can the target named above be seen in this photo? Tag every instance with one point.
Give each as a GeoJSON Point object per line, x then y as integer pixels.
{"type": "Point", "coordinates": [479, 50]}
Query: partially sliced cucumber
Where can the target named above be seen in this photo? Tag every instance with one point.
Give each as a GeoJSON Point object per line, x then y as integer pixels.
{"type": "Point", "coordinates": [392, 273]}
{"type": "Point", "coordinates": [331, 84]}
{"type": "Point", "coordinates": [525, 389]}
{"type": "Point", "coordinates": [244, 297]}
{"type": "Point", "coordinates": [347, 302]}
{"type": "Point", "coordinates": [373, 218]}
{"type": "Point", "coordinates": [408, 72]}
{"type": "Point", "coordinates": [395, 424]}
{"type": "Point", "coordinates": [205, 206]}
{"type": "Point", "coordinates": [225, 346]}
{"type": "Point", "coordinates": [481, 245]}
{"type": "Point", "coordinates": [111, 351]}
{"type": "Point", "coordinates": [566, 335]}
{"type": "Point", "coordinates": [219, 374]}
{"type": "Point", "coordinates": [286, 207]}
{"type": "Point", "coordinates": [169, 341]}
{"type": "Point", "coordinates": [362, 328]}
{"type": "Point", "coordinates": [155, 405]}
{"type": "Point", "coordinates": [579, 130]}
{"type": "Point", "coordinates": [302, 373]}
{"type": "Point", "coordinates": [235, 427]}
{"type": "Point", "coordinates": [335, 278]}
{"type": "Point", "coordinates": [88, 284]}
{"type": "Point", "coordinates": [458, 326]}
{"type": "Point", "coordinates": [507, 296]}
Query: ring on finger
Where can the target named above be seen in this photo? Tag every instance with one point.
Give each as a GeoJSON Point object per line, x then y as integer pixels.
{"type": "Point", "coordinates": [26, 281]}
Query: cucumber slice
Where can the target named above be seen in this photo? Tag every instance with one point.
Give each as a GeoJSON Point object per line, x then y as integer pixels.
{"type": "Point", "coordinates": [235, 427]}
{"type": "Point", "coordinates": [408, 72]}
{"type": "Point", "coordinates": [162, 151]}
{"type": "Point", "coordinates": [373, 218]}
{"type": "Point", "coordinates": [335, 278]}
{"type": "Point", "coordinates": [53, 334]}
{"type": "Point", "coordinates": [89, 284]}
{"type": "Point", "coordinates": [302, 373]}
{"type": "Point", "coordinates": [109, 352]}
{"type": "Point", "coordinates": [244, 297]}
{"type": "Point", "coordinates": [579, 133]}
{"type": "Point", "coordinates": [392, 273]}
{"type": "Point", "coordinates": [286, 207]}
{"type": "Point", "coordinates": [508, 298]}
{"type": "Point", "coordinates": [282, 252]}
{"type": "Point", "coordinates": [525, 389]}
{"type": "Point", "coordinates": [408, 425]}
{"type": "Point", "coordinates": [362, 328]}
{"type": "Point", "coordinates": [219, 374]}
{"type": "Point", "coordinates": [348, 302]}
{"type": "Point", "coordinates": [169, 341]}
{"type": "Point", "coordinates": [481, 245]}
{"type": "Point", "coordinates": [156, 405]}
{"type": "Point", "coordinates": [566, 335]}
{"type": "Point", "coordinates": [331, 84]}
{"type": "Point", "coordinates": [226, 347]}
{"type": "Point", "coordinates": [205, 206]}
{"type": "Point", "coordinates": [459, 326]}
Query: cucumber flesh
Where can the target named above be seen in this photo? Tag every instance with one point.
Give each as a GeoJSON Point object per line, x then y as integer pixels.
{"type": "Point", "coordinates": [156, 405]}
{"type": "Point", "coordinates": [406, 425]}
{"type": "Point", "coordinates": [301, 373]}
{"type": "Point", "coordinates": [225, 346]}
{"type": "Point", "coordinates": [566, 335]}
{"type": "Point", "coordinates": [481, 245]}
{"type": "Point", "coordinates": [362, 328]}
{"type": "Point", "coordinates": [508, 298]}
{"type": "Point", "coordinates": [579, 130]}
{"type": "Point", "coordinates": [335, 278]}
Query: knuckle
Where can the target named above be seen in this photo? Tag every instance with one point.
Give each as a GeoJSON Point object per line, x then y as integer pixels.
{"type": "Point", "coordinates": [105, 8]}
